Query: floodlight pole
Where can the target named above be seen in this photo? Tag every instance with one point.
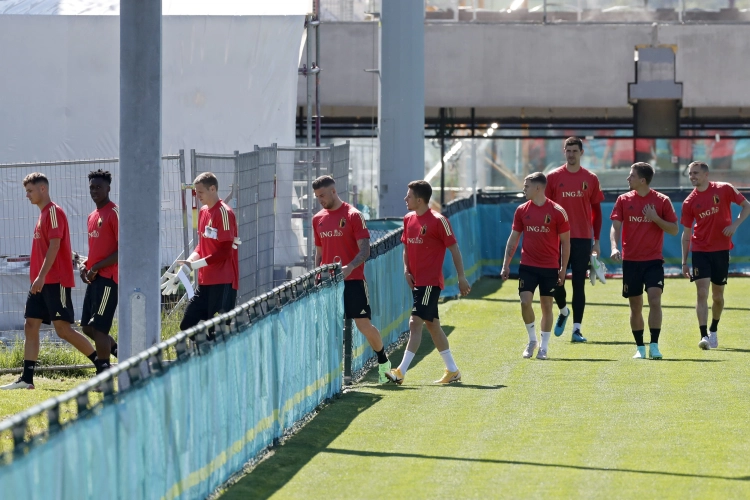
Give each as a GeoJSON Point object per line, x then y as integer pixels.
{"type": "Point", "coordinates": [139, 304]}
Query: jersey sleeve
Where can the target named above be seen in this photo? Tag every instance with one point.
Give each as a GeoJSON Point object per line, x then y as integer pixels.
{"type": "Point", "coordinates": [315, 222]}
{"type": "Point", "coordinates": [668, 213]}
{"type": "Point", "coordinates": [687, 218]}
{"type": "Point", "coordinates": [406, 228]}
{"type": "Point", "coordinates": [224, 223]}
{"type": "Point", "coordinates": [446, 232]}
{"type": "Point", "coordinates": [596, 196]}
{"type": "Point", "coordinates": [736, 196]}
{"type": "Point", "coordinates": [359, 226]}
{"type": "Point", "coordinates": [563, 224]}
{"type": "Point", "coordinates": [114, 223]}
{"type": "Point", "coordinates": [617, 210]}
{"type": "Point", "coordinates": [517, 222]}
{"type": "Point", "coordinates": [56, 223]}
{"type": "Point", "coordinates": [549, 189]}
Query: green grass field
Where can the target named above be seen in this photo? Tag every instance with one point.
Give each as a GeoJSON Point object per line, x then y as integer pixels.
{"type": "Point", "coordinates": [588, 423]}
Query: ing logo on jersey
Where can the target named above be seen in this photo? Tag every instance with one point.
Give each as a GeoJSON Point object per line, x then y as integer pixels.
{"type": "Point", "coordinates": [547, 219]}
{"type": "Point", "coordinates": [99, 222]}
{"type": "Point", "coordinates": [342, 223]}
{"type": "Point", "coordinates": [716, 199]}
{"type": "Point", "coordinates": [423, 230]}
{"type": "Point", "coordinates": [585, 186]}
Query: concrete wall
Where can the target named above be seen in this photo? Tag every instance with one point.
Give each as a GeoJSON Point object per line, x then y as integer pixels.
{"type": "Point", "coordinates": [506, 65]}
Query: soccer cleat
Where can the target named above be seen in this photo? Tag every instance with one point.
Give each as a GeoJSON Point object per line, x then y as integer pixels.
{"type": "Point", "coordinates": [640, 352]}
{"type": "Point", "coordinates": [577, 337]}
{"type": "Point", "coordinates": [542, 354]}
{"type": "Point", "coordinates": [449, 376]}
{"type": "Point", "coordinates": [560, 325]}
{"type": "Point", "coordinates": [18, 384]}
{"type": "Point", "coordinates": [395, 376]}
{"type": "Point", "coordinates": [713, 340]}
{"type": "Point", "coordinates": [529, 351]}
{"type": "Point", "coordinates": [598, 269]}
{"type": "Point", "coordinates": [653, 351]}
{"type": "Point", "coordinates": [592, 277]}
{"type": "Point", "coordinates": [704, 344]}
{"type": "Point", "coordinates": [382, 370]}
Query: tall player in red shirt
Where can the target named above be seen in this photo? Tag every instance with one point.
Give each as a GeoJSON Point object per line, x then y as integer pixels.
{"type": "Point", "coordinates": [215, 256]}
{"type": "Point", "coordinates": [710, 207]}
{"type": "Point", "coordinates": [576, 190]}
{"type": "Point", "coordinates": [641, 217]}
{"type": "Point", "coordinates": [544, 257]}
{"type": "Point", "coordinates": [51, 274]}
{"type": "Point", "coordinates": [426, 236]}
{"type": "Point", "coordinates": [100, 270]}
{"type": "Point", "coordinates": [341, 235]}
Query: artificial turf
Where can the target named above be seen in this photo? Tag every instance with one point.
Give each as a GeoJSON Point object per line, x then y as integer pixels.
{"type": "Point", "coordinates": [590, 422]}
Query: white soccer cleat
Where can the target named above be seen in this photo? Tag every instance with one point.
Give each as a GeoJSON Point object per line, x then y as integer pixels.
{"type": "Point", "coordinates": [704, 344]}
{"type": "Point", "coordinates": [598, 269]}
{"type": "Point", "coordinates": [18, 384]}
{"type": "Point", "coordinates": [529, 351]}
{"type": "Point", "coordinates": [713, 340]}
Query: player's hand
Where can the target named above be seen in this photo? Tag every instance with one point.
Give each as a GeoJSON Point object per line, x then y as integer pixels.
{"type": "Point", "coordinates": [463, 286]}
{"type": "Point", "coordinates": [561, 277]}
{"type": "Point", "coordinates": [730, 230]}
{"type": "Point", "coordinates": [616, 255]}
{"type": "Point", "coordinates": [346, 271]}
{"type": "Point", "coordinates": [596, 249]}
{"type": "Point", "coordinates": [187, 263]}
{"type": "Point", "coordinates": [91, 276]}
{"type": "Point", "coordinates": [505, 273]}
{"type": "Point", "coordinates": [83, 271]}
{"type": "Point", "coordinates": [37, 285]}
{"type": "Point", "coordinates": [170, 282]}
{"type": "Point", "coordinates": [686, 271]}
{"type": "Point", "coordinates": [409, 279]}
{"type": "Point", "coordinates": [650, 212]}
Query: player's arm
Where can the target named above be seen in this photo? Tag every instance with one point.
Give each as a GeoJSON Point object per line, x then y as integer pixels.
{"type": "Point", "coordinates": [458, 262]}
{"type": "Point", "coordinates": [360, 258]}
{"type": "Point", "coordinates": [318, 256]}
{"type": "Point", "coordinates": [49, 259]}
{"type": "Point", "coordinates": [668, 227]}
{"type": "Point", "coordinates": [731, 229]}
{"type": "Point", "coordinates": [685, 242]}
{"type": "Point", "coordinates": [407, 272]}
{"type": "Point", "coordinates": [110, 260]}
{"type": "Point", "coordinates": [510, 249]}
{"type": "Point", "coordinates": [596, 222]}
{"type": "Point", "coordinates": [614, 240]}
{"type": "Point", "coordinates": [564, 256]}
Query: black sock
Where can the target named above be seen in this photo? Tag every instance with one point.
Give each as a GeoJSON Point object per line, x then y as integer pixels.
{"type": "Point", "coordinates": [714, 325]}
{"type": "Point", "coordinates": [704, 331]}
{"type": "Point", "coordinates": [113, 349]}
{"type": "Point", "coordinates": [28, 371]}
{"type": "Point", "coordinates": [101, 365]}
{"type": "Point", "coordinates": [655, 335]}
{"type": "Point", "coordinates": [382, 358]}
{"type": "Point", "coordinates": [92, 357]}
{"type": "Point", "coordinates": [638, 336]}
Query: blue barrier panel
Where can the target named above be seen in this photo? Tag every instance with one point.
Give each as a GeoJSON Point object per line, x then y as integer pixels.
{"type": "Point", "coordinates": [466, 227]}
{"type": "Point", "coordinates": [184, 432]}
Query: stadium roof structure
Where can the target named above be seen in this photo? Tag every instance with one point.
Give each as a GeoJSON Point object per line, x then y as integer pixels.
{"type": "Point", "coordinates": [169, 7]}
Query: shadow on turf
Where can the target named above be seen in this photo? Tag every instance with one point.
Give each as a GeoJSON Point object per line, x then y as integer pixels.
{"type": "Point", "coordinates": [613, 304]}
{"type": "Point", "coordinates": [609, 342]}
{"type": "Point", "coordinates": [732, 349]}
{"type": "Point", "coordinates": [695, 360]}
{"type": "Point", "coordinates": [594, 360]}
{"type": "Point", "coordinates": [533, 464]}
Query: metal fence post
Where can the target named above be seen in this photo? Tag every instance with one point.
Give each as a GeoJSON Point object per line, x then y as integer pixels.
{"type": "Point", "coordinates": [236, 187]}
{"type": "Point", "coordinates": [348, 351]}
{"type": "Point", "coordinates": [194, 217]}
{"type": "Point", "coordinates": [183, 187]}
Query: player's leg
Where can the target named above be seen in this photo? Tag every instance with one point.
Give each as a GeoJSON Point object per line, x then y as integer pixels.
{"type": "Point", "coordinates": [420, 296]}
{"type": "Point", "coordinates": [60, 306]}
{"type": "Point", "coordinates": [632, 289]}
{"type": "Point", "coordinates": [528, 280]}
{"type": "Point", "coordinates": [701, 310]}
{"type": "Point", "coordinates": [561, 299]}
{"type": "Point", "coordinates": [719, 277]}
{"type": "Point", "coordinates": [440, 339]}
{"type": "Point", "coordinates": [35, 313]}
{"type": "Point", "coordinates": [580, 259]}
{"type": "Point", "coordinates": [357, 307]}
{"type": "Point", "coordinates": [101, 315]}
{"type": "Point", "coordinates": [654, 282]}
{"type": "Point", "coordinates": [197, 308]}
{"type": "Point", "coordinates": [546, 325]}
{"type": "Point", "coordinates": [221, 299]}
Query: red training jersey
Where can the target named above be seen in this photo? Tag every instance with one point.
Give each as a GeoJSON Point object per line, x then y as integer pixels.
{"type": "Point", "coordinates": [575, 192]}
{"type": "Point", "coordinates": [712, 212]}
{"type": "Point", "coordinates": [217, 226]}
{"type": "Point", "coordinates": [642, 239]}
{"type": "Point", "coordinates": [426, 237]}
{"type": "Point", "coordinates": [104, 226]}
{"type": "Point", "coordinates": [336, 234]}
{"type": "Point", "coordinates": [51, 225]}
{"type": "Point", "coordinates": [541, 227]}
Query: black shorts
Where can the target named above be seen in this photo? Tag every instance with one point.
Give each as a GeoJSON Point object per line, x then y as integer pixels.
{"type": "Point", "coordinates": [714, 265]}
{"type": "Point", "coordinates": [426, 302]}
{"type": "Point", "coordinates": [637, 274]}
{"type": "Point", "coordinates": [53, 303]}
{"type": "Point", "coordinates": [529, 277]}
{"type": "Point", "coordinates": [100, 304]}
{"type": "Point", "coordinates": [580, 256]}
{"type": "Point", "coordinates": [356, 300]}
{"type": "Point", "coordinates": [208, 301]}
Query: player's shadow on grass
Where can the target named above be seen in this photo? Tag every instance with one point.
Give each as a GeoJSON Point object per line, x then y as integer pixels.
{"type": "Point", "coordinates": [532, 464]}
{"type": "Point", "coordinates": [609, 342]}
{"type": "Point", "coordinates": [607, 304]}
{"type": "Point", "coordinates": [732, 349]}
{"type": "Point", "coordinates": [286, 461]}
{"type": "Point", "coordinates": [483, 288]}
{"type": "Point", "coordinates": [587, 360]}
{"type": "Point", "coordinates": [694, 360]}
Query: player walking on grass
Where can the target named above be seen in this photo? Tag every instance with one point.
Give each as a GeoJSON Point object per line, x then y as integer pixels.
{"type": "Point", "coordinates": [426, 236]}
{"type": "Point", "coordinates": [641, 217]}
{"type": "Point", "coordinates": [341, 235]}
{"type": "Point", "coordinates": [710, 207]}
{"type": "Point", "coordinates": [215, 256]}
{"type": "Point", "coordinates": [577, 191]}
{"type": "Point", "coordinates": [100, 270]}
{"type": "Point", "coordinates": [544, 257]}
{"type": "Point", "coordinates": [51, 274]}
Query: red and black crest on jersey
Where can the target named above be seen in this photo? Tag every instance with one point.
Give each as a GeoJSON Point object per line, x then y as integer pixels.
{"type": "Point", "coordinates": [342, 223]}
{"type": "Point", "coordinates": [585, 186]}
{"type": "Point", "coordinates": [547, 219]}
{"type": "Point", "coordinates": [716, 199]}
{"type": "Point", "coordinates": [99, 222]}
{"type": "Point", "coordinates": [423, 229]}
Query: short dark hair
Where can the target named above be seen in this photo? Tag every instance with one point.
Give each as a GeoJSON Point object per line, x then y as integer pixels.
{"type": "Point", "coordinates": [573, 141]}
{"type": "Point", "coordinates": [644, 171]}
{"type": "Point", "coordinates": [208, 179]}
{"type": "Point", "coordinates": [537, 178]}
{"type": "Point", "coordinates": [421, 189]}
{"type": "Point", "coordinates": [323, 182]}
{"type": "Point", "coordinates": [703, 166]}
{"type": "Point", "coordinates": [105, 175]}
{"type": "Point", "coordinates": [36, 178]}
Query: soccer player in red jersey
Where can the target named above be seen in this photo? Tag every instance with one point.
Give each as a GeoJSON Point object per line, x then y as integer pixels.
{"type": "Point", "coordinates": [576, 190]}
{"type": "Point", "coordinates": [341, 235]}
{"type": "Point", "coordinates": [709, 206]}
{"type": "Point", "coordinates": [51, 275]}
{"type": "Point", "coordinates": [544, 257]}
{"type": "Point", "coordinates": [642, 216]}
{"type": "Point", "coordinates": [215, 256]}
{"type": "Point", "coordinates": [100, 270]}
{"type": "Point", "coordinates": [426, 236]}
